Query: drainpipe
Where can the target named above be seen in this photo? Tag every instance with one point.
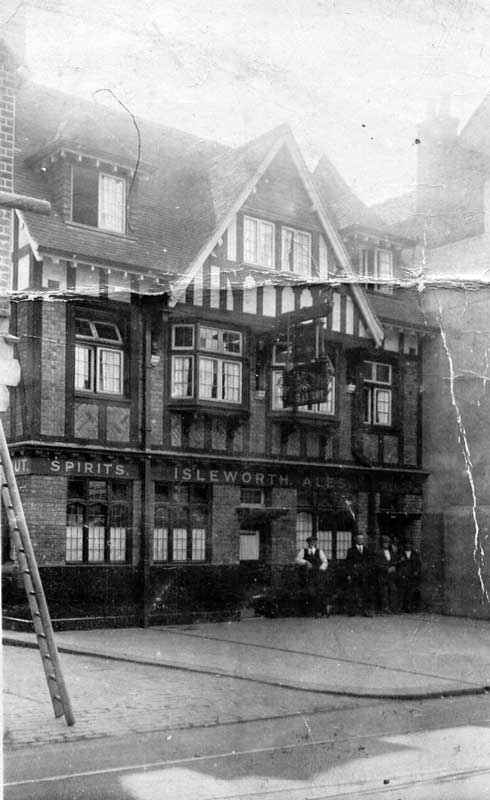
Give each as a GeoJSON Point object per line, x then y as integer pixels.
{"type": "Point", "coordinates": [147, 495]}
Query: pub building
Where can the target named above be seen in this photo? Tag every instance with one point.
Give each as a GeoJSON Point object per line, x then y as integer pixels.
{"type": "Point", "coordinates": [217, 361]}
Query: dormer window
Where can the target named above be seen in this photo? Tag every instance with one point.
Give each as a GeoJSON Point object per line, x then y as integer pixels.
{"type": "Point", "coordinates": [98, 199]}
{"type": "Point", "coordinates": [296, 251]}
{"type": "Point", "coordinates": [377, 265]}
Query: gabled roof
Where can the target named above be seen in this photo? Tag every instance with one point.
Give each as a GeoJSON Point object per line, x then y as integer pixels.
{"type": "Point", "coordinates": [180, 206]}
{"type": "Point", "coordinates": [345, 207]}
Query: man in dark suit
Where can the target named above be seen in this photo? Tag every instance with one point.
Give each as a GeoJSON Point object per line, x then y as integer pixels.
{"type": "Point", "coordinates": [408, 578]}
{"type": "Point", "coordinates": [358, 568]}
{"type": "Point", "coordinates": [386, 576]}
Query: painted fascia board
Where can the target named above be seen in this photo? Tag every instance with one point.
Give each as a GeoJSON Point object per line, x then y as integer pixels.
{"type": "Point", "coordinates": [32, 242]}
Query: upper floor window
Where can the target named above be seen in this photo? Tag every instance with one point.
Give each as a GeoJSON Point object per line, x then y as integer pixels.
{"type": "Point", "coordinates": [212, 367]}
{"type": "Point", "coordinates": [296, 251]}
{"type": "Point", "coordinates": [99, 358]}
{"type": "Point", "coordinates": [258, 242]}
{"type": "Point", "coordinates": [98, 199]}
{"type": "Point", "coordinates": [377, 393]}
{"type": "Point", "coordinates": [377, 265]}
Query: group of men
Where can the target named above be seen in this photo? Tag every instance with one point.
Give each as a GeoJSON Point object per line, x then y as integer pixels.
{"type": "Point", "coordinates": [386, 581]}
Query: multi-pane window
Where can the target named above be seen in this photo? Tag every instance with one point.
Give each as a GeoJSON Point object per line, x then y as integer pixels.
{"type": "Point", "coordinates": [333, 539]}
{"type": "Point", "coordinates": [99, 358]}
{"type": "Point", "coordinates": [377, 393]}
{"type": "Point", "coordinates": [281, 355]}
{"type": "Point", "coordinates": [296, 251]}
{"type": "Point", "coordinates": [249, 545]}
{"type": "Point", "coordinates": [219, 376]}
{"type": "Point", "coordinates": [97, 521]}
{"type": "Point", "coordinates": [98, 199]}
{"type": "Point", "coordinates": [258, 242]}
{"type": "Point", "coordinates": [181, 523]}
{"type": "Point", "coordinates": [377, 265]}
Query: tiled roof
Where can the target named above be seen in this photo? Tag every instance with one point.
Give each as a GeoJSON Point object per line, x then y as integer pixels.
{"type": "Point", "coordinates": [344, 206]}
{"type": "Point", "coordinates": [403, 307]}
{"type": "Point", "coordinates": [179, 198]}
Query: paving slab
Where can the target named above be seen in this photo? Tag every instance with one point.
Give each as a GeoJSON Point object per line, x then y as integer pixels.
{"type": "Point", "coordinates": [386, 656]}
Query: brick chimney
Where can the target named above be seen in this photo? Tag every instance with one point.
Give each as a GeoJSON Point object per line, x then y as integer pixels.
{"type": "Point", "coordinates": [438, 136]}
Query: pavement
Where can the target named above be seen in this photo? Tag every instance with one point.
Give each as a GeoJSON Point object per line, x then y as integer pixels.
{"type": "Point", "coordinates": [392, 657]}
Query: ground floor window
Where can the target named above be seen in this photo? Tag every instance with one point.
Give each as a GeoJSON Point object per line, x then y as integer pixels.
{"type": "Point", "coordinates": [97, 521]}
{"type": "Point", "coordinates": [181, 529]}
{"type": "Point", "coordinates": [333, 534]}
{"type": "Point", "coordinates": [249, 545]}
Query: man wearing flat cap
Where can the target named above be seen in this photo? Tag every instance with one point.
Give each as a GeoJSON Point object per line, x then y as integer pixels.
{"type": "Point", "coordinates": [386, 577]}
{"type": "Point", "coordinates": [313, 563]}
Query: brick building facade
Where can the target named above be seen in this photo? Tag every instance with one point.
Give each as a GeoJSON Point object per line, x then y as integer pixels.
{"type": "Point", "coordinates": [216, 360]}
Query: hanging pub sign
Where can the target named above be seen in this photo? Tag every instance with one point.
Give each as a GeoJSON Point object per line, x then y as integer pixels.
{"type": "Point", "coordinates": [307, 384]}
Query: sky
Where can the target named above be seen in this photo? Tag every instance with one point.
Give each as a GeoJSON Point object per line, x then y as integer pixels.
{"type": "Point", "coordinates": [351, 77]}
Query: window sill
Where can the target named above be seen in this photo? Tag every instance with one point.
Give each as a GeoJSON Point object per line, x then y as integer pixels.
{"type": "Point", "coordinates": [97, 398]}
{"type": "Point", "coordinates": [183, 406]}
{"type": "Point", "coordinates": [103, 231]}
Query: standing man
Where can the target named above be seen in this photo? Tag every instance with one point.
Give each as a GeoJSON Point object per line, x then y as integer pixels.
{"type": "Point", "coordinates": [313, 563]}
{"type": "Point", "coordinates": [408, 573]}
{"type": "Point", "coordinates": [358, 566]}
{"type": "Point", "coordinates": [386, 577]}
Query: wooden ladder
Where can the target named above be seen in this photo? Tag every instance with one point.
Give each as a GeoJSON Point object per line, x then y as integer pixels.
{"type": "Point", "coordinates": [33, 585]}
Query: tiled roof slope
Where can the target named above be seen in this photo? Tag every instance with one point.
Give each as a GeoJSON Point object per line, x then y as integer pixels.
{"type": "Point", "coordinates": [344, 206]}
{"type": "Point", "coordinates": [184, 189]}
{"type": "Point", "coordinates": [403, 307]}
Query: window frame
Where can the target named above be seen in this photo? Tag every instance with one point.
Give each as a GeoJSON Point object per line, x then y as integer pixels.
{"type": "Point", "coordinates": [96, 345]}
{"type": "Point", "coordinates": [372, 279]}
{"type": "Point", "coordinates": [254, 261]}
{"type": "Point", "coordinates": [295, 269]}
{"type": "Point", "coordinates": [100, 199]}
{"type": "Point", "coordinates": [220, 356]}
{"type": "Point", "coordinates": [109, 503]}
{"type": "Point", "coordinates": [373, 389]}
{"type": "Point", "coordinates": [329, 546]}
{"type": "Point", "coordinates": [179, 516]}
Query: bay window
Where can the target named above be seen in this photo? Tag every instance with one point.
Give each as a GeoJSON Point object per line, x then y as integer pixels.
{"type": "Point", "coordinates": [212, 368]}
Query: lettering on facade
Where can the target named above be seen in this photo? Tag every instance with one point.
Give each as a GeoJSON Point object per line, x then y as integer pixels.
{"type": "Point", "coordinates": [96, 468]}
{"type": "Point", "coordinates": [247, 477]}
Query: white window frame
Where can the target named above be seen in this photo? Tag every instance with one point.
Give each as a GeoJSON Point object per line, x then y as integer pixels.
{"type": "Point", "coordinates": [175, 359]}
{"type": "Point", "coordinates": [376, 276]}
{"type": "Point", "coordinates": [221, 365]}
{"type": "Point", "coordinates": [255, 257]}
{"type": "Point", "coordinates": [221, 348]}
{"type": "Point", "coordinates": [285, 267]}
{"type": "Point", "coordinates": [183, 346]}
{"type": "Point", "coordinates": [103, 199]}
{"type": "Point", "coordinates": [377, 387]}
{"type": "Point", "coordinates": [96, 345]}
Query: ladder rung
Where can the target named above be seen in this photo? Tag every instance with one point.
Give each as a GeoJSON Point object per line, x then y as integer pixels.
{"type": "Point", "coordinates": [32, 592]}
{"type": "Point", "coordinates": [47, 657]}
{"type": "Point", "coordinates": [27, 572]}
{"type": "Point", "coordinates": [42, 635]}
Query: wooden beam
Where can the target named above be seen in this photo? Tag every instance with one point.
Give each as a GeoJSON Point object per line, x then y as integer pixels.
{"type": "Point", "coordinates": [24, 203]}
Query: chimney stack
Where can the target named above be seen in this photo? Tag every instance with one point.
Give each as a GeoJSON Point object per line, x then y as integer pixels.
{"type": "Point", "coordinates": [437, 135]}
